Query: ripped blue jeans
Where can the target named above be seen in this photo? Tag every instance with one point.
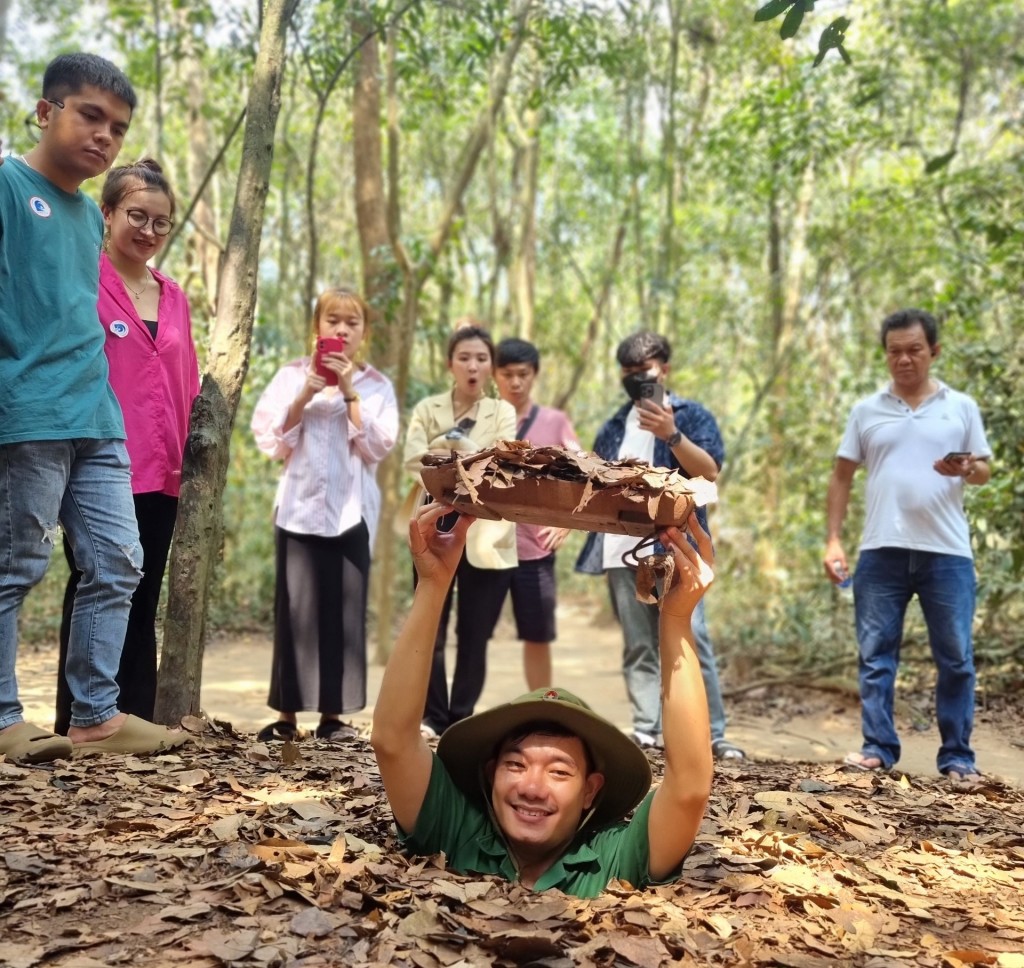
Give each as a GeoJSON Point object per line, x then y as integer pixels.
{"type": "Point", "coordinates": [86, 486]}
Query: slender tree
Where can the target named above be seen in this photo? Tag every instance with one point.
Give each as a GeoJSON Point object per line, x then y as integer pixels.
{"type": "Point", "coordinates": [200, 518]}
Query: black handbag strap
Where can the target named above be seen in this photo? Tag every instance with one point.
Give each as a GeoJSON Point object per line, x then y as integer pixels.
{"type": "Point", "coordinates": [527, 423]}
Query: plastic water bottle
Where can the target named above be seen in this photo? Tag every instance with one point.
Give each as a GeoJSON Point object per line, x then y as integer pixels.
{"type": "Point", "coordinates": [845, 585]}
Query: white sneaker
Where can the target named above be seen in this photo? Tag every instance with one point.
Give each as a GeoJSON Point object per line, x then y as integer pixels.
{"type": "Point", "coordinates": [644, 740]}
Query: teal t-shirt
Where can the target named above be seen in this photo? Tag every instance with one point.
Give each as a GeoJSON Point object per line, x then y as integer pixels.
{"type": "Point", "coordinates": [53, 371]}
{"type": "Point", "coordinates": [449, 821]}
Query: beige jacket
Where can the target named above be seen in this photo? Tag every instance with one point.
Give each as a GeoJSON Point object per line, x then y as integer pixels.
{"type": "Point", "coordinates": [490, 544]}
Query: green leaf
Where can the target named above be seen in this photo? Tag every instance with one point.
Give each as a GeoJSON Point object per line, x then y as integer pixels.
{"type": "Point", "coordinates": [832, 37]}
{"type": "Point", "coordinates": [772, 9]}
{"type": "Point", "coordinates": [791, 24]}
{"type": "Point", "coordinates": [940, 162]}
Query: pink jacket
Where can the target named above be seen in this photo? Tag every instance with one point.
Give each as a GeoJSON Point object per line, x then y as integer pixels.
{"type": "Point", "coordinates": [155, 382]}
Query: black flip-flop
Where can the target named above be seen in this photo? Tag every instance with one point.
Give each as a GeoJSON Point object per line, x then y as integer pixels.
{"type": "Point", "coordinates": [330, 728]}
{"type": "Point", "coordinates": [278, 732]}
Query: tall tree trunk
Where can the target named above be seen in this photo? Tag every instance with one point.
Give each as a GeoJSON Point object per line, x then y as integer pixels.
{"type": "Point", "coordinates": [200, 514]}
{"type": "Point", "coordinates": [786, 265]}
{"type": "Point", "coordinates": [372, 223]}
{"type": "Point", "coordinates": [287, 301]}
{"type": "Point", "coordinates": [416, 274]}
{"type": "Point", "coordinates": [665, 262]}
{"type": "Point", "coordinates": [365, 32]}
{"type": "Point", "coordinates": [204, 243]}
{"type": "Point", "coordinates": [158, 70]}
{"type": "Point", "coordinates": [371, 200]}
{"type": "Point", "coordinates": [524, 263]}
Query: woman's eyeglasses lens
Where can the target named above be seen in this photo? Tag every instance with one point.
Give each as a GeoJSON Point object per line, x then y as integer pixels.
{"type": "Point", "coordinates": [138, 218]}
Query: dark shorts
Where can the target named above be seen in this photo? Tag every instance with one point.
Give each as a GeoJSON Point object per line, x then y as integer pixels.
{"type": "Point", "coordinates": [533, 599]}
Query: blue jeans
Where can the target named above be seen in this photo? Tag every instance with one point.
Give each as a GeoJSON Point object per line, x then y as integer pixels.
{"type": "Point", "coordinates": [85, 485]}
{"type": "Point", "coordinates": [641, 657]}
{"type": "Point", "coordinates": [883, 584]}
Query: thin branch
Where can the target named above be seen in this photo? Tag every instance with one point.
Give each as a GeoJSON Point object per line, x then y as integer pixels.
{"type": "Point", "coordinates": [176, 231]}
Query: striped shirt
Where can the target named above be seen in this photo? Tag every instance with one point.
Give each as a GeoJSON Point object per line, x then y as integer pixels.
{"type": "Point", "coordinates": [329, 481]}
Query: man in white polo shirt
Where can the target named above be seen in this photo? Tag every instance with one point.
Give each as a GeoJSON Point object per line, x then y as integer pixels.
{"type": "Point", "coordinates": [921, 443]}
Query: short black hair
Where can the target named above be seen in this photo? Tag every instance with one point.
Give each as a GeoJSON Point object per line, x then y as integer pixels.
{"type": "Point", "coordinates": [905, 318]}
{"type": "Point", "coordinates": [641, 346]}
{"type": "Point", "coordinates": [69, 73]}
{"type": "Point", "coordinates": [466, 329]}
{"type": "Point", "coordinates": [513, 350]}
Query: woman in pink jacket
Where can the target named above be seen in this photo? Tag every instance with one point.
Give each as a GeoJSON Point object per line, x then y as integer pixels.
{"type": "Point", "coordinates": [155, 376]}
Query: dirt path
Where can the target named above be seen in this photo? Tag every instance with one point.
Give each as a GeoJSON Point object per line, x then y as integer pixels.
{"type": "Point", "coordinates": [796, 726]}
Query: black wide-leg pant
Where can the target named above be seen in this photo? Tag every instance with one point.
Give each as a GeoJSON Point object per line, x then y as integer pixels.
{"type": "Point", "coordinates": [319, 660]}
{"type": "Point", "coordinates": [479, 593]}
{"type": "Point", "coordinates": [136, 675]}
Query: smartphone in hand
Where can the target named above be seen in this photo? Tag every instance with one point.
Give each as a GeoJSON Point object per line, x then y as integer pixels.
{"type": "Point", "coordinates": [324, 345]}
{"type": "Point", "coordinates": [654, 392]}
{"type": "Point", "coordinates": [957, 455]}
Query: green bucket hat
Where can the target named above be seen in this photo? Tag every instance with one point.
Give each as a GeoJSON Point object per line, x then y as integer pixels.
{"type": "Point", "coordinates": [466, 747]}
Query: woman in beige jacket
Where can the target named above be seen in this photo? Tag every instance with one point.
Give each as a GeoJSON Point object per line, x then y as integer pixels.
{"type": "Point", "coordinates": [464, 419]}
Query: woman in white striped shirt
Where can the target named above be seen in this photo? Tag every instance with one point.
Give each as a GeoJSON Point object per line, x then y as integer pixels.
{"type": "Point", "coordinates": [332, 419]}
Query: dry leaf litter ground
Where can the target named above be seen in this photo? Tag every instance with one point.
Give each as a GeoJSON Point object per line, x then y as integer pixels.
{"type": "Point", "coordinates": [229, 852]}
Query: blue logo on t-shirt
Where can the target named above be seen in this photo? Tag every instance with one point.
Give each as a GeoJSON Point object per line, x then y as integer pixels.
{"type": "Point", "coordinates": [39, 206]}
{"type": "Point", "coordinates": [119, 328]}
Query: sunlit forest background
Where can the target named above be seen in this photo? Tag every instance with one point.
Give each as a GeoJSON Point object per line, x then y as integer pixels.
{"type": "Point", "coordinates": [670, 164]}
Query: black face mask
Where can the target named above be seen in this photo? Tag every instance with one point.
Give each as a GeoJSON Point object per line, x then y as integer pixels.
{"type": "Point", "coordinates": [632, 382]}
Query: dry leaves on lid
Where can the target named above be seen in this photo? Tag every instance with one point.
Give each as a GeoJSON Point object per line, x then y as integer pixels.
{"type": "Point", "coordinates": [562, 488]}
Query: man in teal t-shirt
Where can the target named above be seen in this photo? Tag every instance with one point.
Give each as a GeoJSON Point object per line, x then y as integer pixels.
{"type": "Point", "coordinates": [62, 454]}
{"type": "Point", "coordinates": [536, 790]}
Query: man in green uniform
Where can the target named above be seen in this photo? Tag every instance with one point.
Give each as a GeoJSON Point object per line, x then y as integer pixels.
{"type": "Point", "coordinates": [536, 790]}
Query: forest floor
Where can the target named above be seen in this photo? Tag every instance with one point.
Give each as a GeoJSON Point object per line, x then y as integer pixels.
{"type": "Point", "coordinates": [230, 852]}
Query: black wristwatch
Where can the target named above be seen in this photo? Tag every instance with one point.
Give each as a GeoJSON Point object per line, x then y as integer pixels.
{"type": "Point", "coordinates": [673, 441]}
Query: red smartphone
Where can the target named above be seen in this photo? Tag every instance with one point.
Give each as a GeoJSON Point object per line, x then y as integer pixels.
{"type": "Point", "coordinates": [328, 344]}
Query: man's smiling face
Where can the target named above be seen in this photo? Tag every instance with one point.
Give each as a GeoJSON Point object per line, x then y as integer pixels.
{"type": "Point", "coordinates": [540, 790]}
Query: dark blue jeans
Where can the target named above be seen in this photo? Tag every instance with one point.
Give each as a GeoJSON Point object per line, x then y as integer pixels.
{"type": "Point", "coordinates": [885, 581]}
{"type": "Point", "coordinates": [641, 656]}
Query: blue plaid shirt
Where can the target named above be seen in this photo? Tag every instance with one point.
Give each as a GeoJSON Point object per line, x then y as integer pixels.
{"type": "Point", "coordinates": [692, 420]}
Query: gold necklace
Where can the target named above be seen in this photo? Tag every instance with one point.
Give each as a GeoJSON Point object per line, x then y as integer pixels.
{"type": "Point", "coordinates": [137, 293]}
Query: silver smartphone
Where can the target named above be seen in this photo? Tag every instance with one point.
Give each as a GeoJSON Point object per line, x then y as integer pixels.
{"type": "Point", "coordinates": [654, 392]}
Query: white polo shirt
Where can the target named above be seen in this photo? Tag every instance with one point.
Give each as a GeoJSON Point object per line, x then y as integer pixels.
{"type": "Point", "coordinates": [908, 503]}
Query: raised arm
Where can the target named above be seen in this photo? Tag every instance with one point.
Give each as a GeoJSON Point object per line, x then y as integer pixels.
{"type": "Point", "coordinates": [403, 756]}
{"type": "Point", "coordinates": [680, 801]}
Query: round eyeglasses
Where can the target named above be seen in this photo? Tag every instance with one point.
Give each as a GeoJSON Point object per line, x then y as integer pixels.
{"type": "Point", "coordinates": [140, 219]}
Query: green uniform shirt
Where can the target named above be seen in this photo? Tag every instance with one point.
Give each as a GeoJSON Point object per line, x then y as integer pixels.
{"type": "Point", "coordinates": [449, 821]}
{"type": "Point", "coordinates": [53, 370]}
